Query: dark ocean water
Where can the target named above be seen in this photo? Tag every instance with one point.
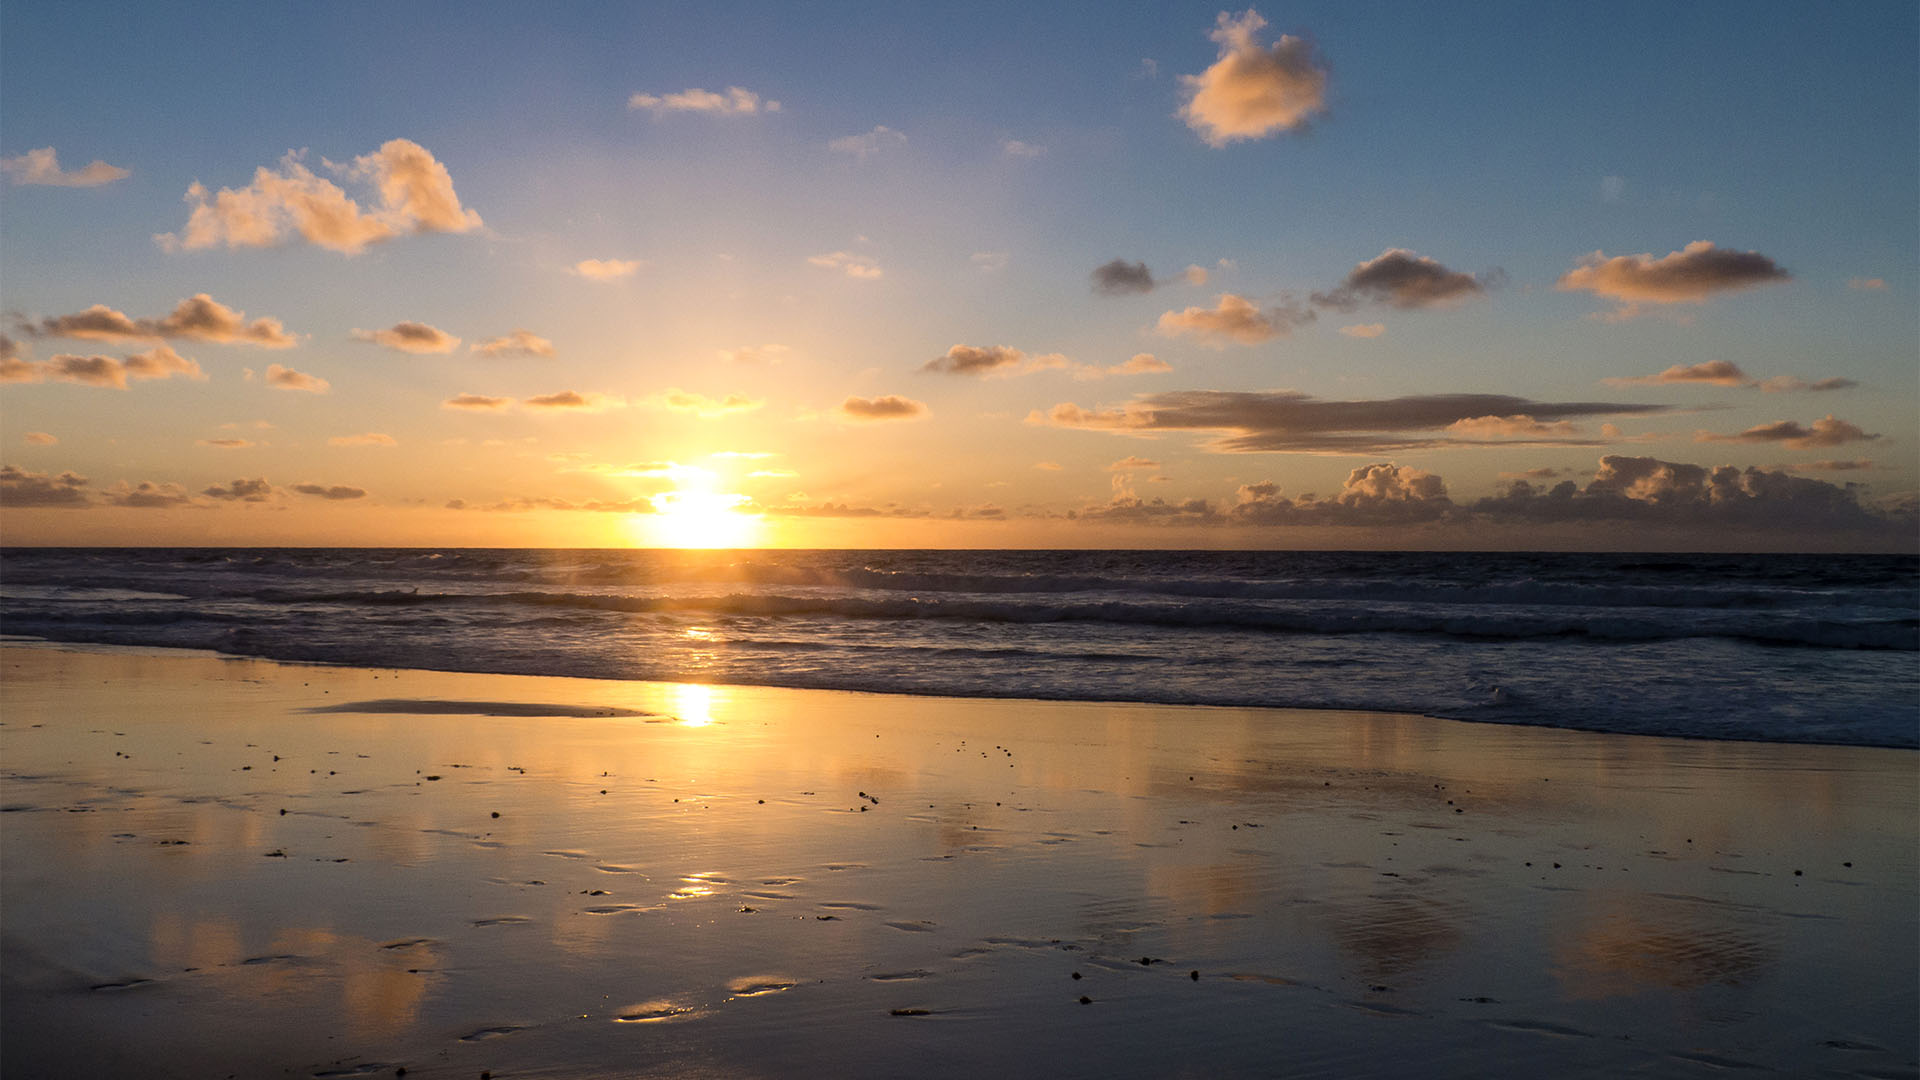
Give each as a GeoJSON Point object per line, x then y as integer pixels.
{"type": "Point", "coordinates": [1794, 648]}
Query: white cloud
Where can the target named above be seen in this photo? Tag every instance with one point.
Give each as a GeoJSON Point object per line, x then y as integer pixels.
{"type": "Point", "coordinates": [862, 146]}
{"type": "Point", "coordinates": [863, 267]}
{"type": "Point", "coordinates": [42, 167]}
{"type": "Point", "coordinates": [736, 101]}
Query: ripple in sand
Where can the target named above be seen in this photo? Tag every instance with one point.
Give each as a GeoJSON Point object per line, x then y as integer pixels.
{"type": "Point", "coordinates": [900, 976]}
{"type": "Point", "coordinates": [612, 909]}
{"type": "Point", "coordinates": [758, 985]}
{"type": "Point", "coordinates": [1541, 1027]}
{"type": "Point", "coordinates": [489, 1033]}
{"type": "Point", "coordinates": [912, 927]}
{"type": "Point", "coordinates": [616, 868]}
{"type": "Point", "coordinates": [121, 984]}
{"type": "Point", "coordinates": [768, 894]}
{"type": "Point", "coordinates": [568, 854]}
{"type": "Point", "coordinates": [503, 920]}
{"type": "Point", "coordinates": [409, 943]}
{"type": "Point", "coordinates": [849, 905]}
{"type": "Point", "coordinates": [370, 1069]}
{"type": "Point", "coordinates": [655, 1012]}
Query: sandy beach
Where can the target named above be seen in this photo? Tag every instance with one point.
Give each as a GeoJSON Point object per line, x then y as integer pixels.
{"type": "Point", "coordinates": [225, 867]}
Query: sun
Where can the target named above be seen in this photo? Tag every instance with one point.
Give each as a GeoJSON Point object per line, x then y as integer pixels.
{"type": "Point", "coordinates": [696, 516]}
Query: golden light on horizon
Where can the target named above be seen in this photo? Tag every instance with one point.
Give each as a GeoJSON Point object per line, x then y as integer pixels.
{"type": "Point", "coordinates": [694, 515]}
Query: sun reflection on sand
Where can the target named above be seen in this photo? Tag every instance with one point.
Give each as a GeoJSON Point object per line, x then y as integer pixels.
{"type": "Point", "coordinates": [693, 705]}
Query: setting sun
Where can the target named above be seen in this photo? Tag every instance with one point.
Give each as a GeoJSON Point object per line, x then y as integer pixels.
{"type": "Point", "coordinates": [695, 516]}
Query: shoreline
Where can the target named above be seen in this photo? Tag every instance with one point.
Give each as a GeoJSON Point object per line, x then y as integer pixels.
{"type": "Point", "coordinates": [760, 881]}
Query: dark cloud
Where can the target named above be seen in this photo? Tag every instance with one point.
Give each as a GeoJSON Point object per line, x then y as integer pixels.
{"type": "Point", "coordinates": [1827, 431]}
{"type": "Point", "coordinates": [1710, 372]}
{"type": "Point", "coordinates": [20, 488]}
{"type": "Point", "coordinates": [242, 490]}
{"type": "Point", "coordinates": [1854, 465]}
{"type": "Point", "coordinates": [147, 495]}
{"type": "Point", "coordinates": [1648, 490]}
{"type": "Point", "coordinates": [977, 360]}
{"type": "Point", "coordinates": [1290, 421]}
{"type": "Point", "coordinates": [569, 399]}
{"type": "Point", "coordinates": [1380, 494]}
{"type": "Point", "coordinates": [1402, 279]}
{"type": "Point", "coordinates": [1120, 278]}
{"type": "Point", "coordinates": [1790, 384]}
{"type": "Point", "coordinates": [336, 492]}
{"type": "Point", "coordinates": [476, 401]}
{"type": "Point", "coordinates": [518, 343]}
{"type": "Point", "coordinates": [890, 407]}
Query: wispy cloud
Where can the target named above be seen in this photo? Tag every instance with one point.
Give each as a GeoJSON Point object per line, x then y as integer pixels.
{"type": "Point", "coordinates": [735, 101]}
{"type": "Point", "coordinates": [606, 269]}
{"type": "Point", "coordinates": [707, 408]}
{"type": "Point", "coordinates": [869, 143]}
{"type": "Point", "coordinates": [519, 343]}
{"type": "Point", "coordinates": [371, 438]}
{"type": "Point", "coordinates": [755, 354]}
{"type": "Point", "coordinates": [854, 265]}
{"type": "Point", "coordinates": [477, 403]}
{"type": "Point", "coordinates": [42, 167]}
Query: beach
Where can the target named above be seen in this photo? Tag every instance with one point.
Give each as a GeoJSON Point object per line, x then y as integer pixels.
{"type": "Point", "coordinates": [220, 866]}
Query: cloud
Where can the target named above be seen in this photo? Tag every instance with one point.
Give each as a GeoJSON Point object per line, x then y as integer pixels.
{"type": "Point", "coordinates": [755, 354]}
{"type": "Point", "coordinates": [198, 318]}
{"type": "Point", "coordinates": [1140, 364]}
{"type": "Point", "coordinates": [855, 266]}
{"type": "Point", "coordinates": [414, 192]}
{"type": "Point", "coordinates": [1252, 90]}
{"type": "Point", "coordinates": [285, 378]}
{"type": "Point", "coordinates": [147, 495]}
{"type": "Point", "coordinates": [39, 438]}
{"type": "Point", "coordinates": [1867, 284]}
{"type": "Point", "coordinates": [988, 260]}
{"type": "Point", "coordinates": [1234, 319]}
{"type": "Point", "coordinates": [890, 407]}
{"type": "Point", "coordinates": [1128, 463]}
{"type": "Point", "coordinates": [1287, 421]}
{"type": "Point", "coordinates": [1517, 426]}
{"type": "Point", "coordinates": [21, 488]}
{"type": "Point", "coordinates": [575, 401]}
{"type": "Point", "coordinates": [1402, 279]}
{"type": "Point", "coordinates": [735, 102]}
{"type": "Point", "coordinates": [160, 362]}
{"type": "Point", "coordinates": [477, 402]}
{"type": "Point", "coordinates": [226, 444]}
{"type": "Point", "coordinates": [1711, 372]}
{"type": "Point", "coordinates": [1789, 384]}
{"type": "Point", "coordinates": [606, 269]}
{"type": "Point", "coordinates": [1195, 274]}
{"type": "Point", "coordinates": [864, 146]}
{"type": "Point", "coordinates": [518, 343]}
{"type": "Point", "coordinates": [1120, 277]}
{"type": "Point", "coordinates": [1379, 494]}
{"type": "Point", "coordinates": [1612, 188]}
{"type": "Point", "coordinates": [42, 167]}
{"type": "Point", "coordinates": [371, 438]}
{"type": "Point", "coordinates": [1691, 275]}
{"type": "Point", "coordinates": [1364, 330]}
{"type": "Point", "coordinates": [253, 491]}
{"type": "Point", "coordinates": [335, 493]}
{"type": "Point", "coordinates": [707, 408]}
{"type": "Point", "coordinates": [977, 360]}
{"type": "Point", "coordinates": [413, 337]}
{"type": "Point", "coordinates": [1828, 431]}
{"type": "Point", "coordinates": [1651, 491]}
{"type": "Point", "coordinates": [1855, 465]}
{"type": "Point", "coordinates": [1017, 149]}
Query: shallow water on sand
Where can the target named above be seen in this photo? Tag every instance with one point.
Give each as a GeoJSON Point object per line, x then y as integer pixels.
{"type": "Point", "coordinates": [219, 866]}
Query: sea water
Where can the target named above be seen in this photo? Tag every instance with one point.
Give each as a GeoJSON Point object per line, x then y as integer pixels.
{"type": "Point", "coordinates": [1796, 648]}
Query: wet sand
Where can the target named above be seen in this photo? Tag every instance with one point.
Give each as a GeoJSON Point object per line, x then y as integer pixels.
{"type": "Point", "coordinates": [214, 867]}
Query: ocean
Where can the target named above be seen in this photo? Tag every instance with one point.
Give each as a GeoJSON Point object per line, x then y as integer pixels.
{"type": "Point", "coordinates": [1787, 648]}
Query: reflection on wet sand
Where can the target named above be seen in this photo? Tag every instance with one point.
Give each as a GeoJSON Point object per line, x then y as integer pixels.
{"type": "Point", "coordinates": [874, 884]}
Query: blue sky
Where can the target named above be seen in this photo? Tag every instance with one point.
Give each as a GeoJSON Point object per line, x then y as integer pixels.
{"type": "Point", "coordinates": [1008, 151]}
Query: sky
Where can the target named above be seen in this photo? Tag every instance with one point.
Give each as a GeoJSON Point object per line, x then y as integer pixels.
{"type": "Point", "coordinates": [1322, 275]}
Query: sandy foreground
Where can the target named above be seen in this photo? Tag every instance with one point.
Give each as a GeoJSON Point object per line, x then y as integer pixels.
{"type": "Point", "coordinates": [215, 867]}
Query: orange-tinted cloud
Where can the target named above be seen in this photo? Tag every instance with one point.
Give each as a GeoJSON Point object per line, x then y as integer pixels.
{"type": "Point", "coordinates": [518, 343]}
{"type": "Point", "coordinates": [1867, 284]}
{"type": "Point", "coordinates": [39, 438]}
{"type": "Point", "coordinates": [1402, 279]}
{"type": "Point", "coordinates": [413, 337]}
{"type": "Point", "coordinates": [1364, 330]}
{"type": "Point", "coordinates": [285, 378]}
{"type": "Point", "coordinates": [1508, 427]}
{"type": "Point", "coordinates": [371, 438]}
{"type": "Point", "coordinates": [862, 267]}
{"type": "Point", "coordinates": [1692, 275]}
{"type": "Point", "coordinates": [414, 191]}
{"type": "Point", "coordinates": [573, 400]}
{"type": "Point", "coordinates": [1140, 364]}
{"type": "Point", "coordinates": [42, 167]}
{"type": "Point", "coordinates": [253, 491]}
{"type": "Point", "coordinates": [1253, 90]}
{"type": "Point", "coordinates": [198, 318]}
{"type": "Point", "coordinates": [160, 362]}
{"type": "Point", "coordinates": [1233, 320]}
{"type": "Point", "coordinates": [1126, 464]}
{"type": "Point", "coordinates": [977, 360]}
{"type": "Point", "coordinates": [890, 407]}
{"type": "Point", "coordinates": [1827, 431]}
{"type": "Point", "coordinates": [479, 402]}
{"type": "Point", "coordinates": [734, 102]}
{"type": "Point", "coordinates": [707, 408]}
{"type": "Point", "coordinates": [606, 269]}
{"type": "Point", "coordinates": [226, 444]}
{"type": "Point", "coordinates": [1709, 372]}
